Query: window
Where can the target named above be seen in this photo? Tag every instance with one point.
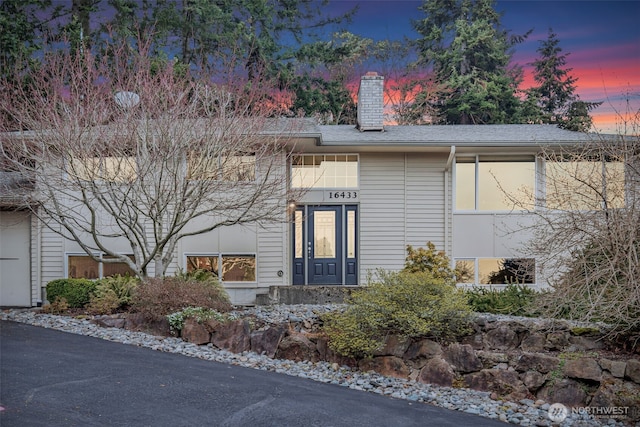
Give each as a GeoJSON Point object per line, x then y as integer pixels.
{"type": "Point", "coordinates": [324, 171]}
{"type": "Point", "coordinates": [225, 168]}
{"type": "Point", "coordinates": [583, 184]}
{"type": "Point", "coordinates": [495, 271]}
{"type": "Point", "coordinates": [107, 168]}
{"type": "Point", "coordinates": [85, 267]}
{"type": "Point", "coordinates": [235, 268]}
{"type": "Point", "coordinates": [490, 184]}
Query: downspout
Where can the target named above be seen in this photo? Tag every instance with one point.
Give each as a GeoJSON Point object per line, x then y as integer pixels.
{"type": "Point", "coordinates": [447, 201]}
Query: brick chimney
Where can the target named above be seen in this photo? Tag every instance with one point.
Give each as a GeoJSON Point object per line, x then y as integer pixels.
{"type": "Point", "coordinates": [370, 102]}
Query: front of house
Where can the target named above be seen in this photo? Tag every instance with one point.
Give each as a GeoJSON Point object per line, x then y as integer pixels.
{"type": "Point", "coordinates": [368, 192]}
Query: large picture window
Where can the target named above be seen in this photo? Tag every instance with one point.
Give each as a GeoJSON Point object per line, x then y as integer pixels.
{"type": "Point", "coordinates": [235, 268]}
{"type": "Point", "coordinates": [324, 171]}
{"type": "Point", "coordinates": [584, 185]}
{"type": "Point", "coordinates": [494, 184]}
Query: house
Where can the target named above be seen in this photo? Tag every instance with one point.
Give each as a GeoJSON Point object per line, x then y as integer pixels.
{"type": "Point", "coordinates": [369, 191]}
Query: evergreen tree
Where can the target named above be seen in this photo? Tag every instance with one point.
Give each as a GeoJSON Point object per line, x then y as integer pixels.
{"type": "Point", "coordinates": [555, 94]}
{"type": "Point", "coordinates": [470, 54]}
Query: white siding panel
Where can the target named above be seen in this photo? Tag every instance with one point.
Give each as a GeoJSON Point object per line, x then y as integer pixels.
{"type": "Point", "coordinates": [52, 256]}
{"type": "Point", "coordinates": [425, 200]}
{"type": "Point", "coordinates": [382, 212]}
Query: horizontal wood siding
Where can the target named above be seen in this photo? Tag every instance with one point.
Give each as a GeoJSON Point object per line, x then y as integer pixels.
{"type": "Point", "coordinates": [52, 256]}
{"type": "Point", "coordinates": [382, 212]}
{"type": "Point", "coordinates": [425, 200]}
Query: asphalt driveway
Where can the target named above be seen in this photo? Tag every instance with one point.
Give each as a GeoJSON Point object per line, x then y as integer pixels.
{"type": "Point", "coordinates": [53, 378]}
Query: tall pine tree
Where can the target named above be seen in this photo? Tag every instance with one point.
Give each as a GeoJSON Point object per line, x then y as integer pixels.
{"type": "Point", "coordinates": [470, 53]}
{"type": "Point", "coordinates": [555, 93]}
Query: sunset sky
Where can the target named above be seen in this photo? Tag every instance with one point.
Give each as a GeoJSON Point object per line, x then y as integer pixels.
{"type": "Point", "coordinates": [601, 36]}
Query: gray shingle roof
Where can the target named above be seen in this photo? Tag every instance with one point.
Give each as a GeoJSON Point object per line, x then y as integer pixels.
{"type": "Point", "coordinates": [439, 135]}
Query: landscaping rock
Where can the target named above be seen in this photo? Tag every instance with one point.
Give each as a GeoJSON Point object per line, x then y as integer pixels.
{"type": "Point", "coordinates": [618, 393]}
{"type": "Point", "coordinates": [582, 343]}
{"type": "Point", "coordinates": [195, 332]}
{"type": "Point", "coordinates": [502, 338]}
{"type": "Point", "coordinates": [632, 370]}
{"type": "Point", "coordinates": [297, 347]}
{"type": "Point", "coordinates": [462, 358]}
{"type": "Point", "coordinates": [266, 342]}
{"type": "Point", "coordinates": [537, 362]}
{"type": "Point", "coordinates": [109, 321]}
{"type": "Point", "coordinates": [584, 368]}
{"type": "Point", "coordinates": [504, 383]}
{"type": "Point", "coordinates": [394, 345]}
{"type": "Point", "coordinates": [490, 359]}
{"type": "Point", "coordinates": [437, 371]}
{"type": "Point", "coordinates": [533, 380]}
{"type": "Point", "coordinates": [423, 349]}
{"type": "Point", "coordinates": [234, 336]}
{"type": "Point", "coordinates": [533, 343]}
{"type": "Point", "coordinates": [615, 367]}
{"type": "Point", "coordinates": [557, 341]}
{"type": "Point", "coordinates": [566, 391]}
{"type": "Point", "coordinates": [390, 366]}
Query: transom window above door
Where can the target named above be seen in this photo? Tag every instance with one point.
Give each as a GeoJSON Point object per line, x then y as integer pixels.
{"type": "Point", "coordinates": [324, 171]}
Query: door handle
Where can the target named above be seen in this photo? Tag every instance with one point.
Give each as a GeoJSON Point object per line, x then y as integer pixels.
{"type": "Point", "coordinates": [309, 250]}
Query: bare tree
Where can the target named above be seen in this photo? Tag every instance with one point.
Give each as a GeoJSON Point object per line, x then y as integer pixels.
{"type": "Point", "coordinates": [587, 235]}
{"type": "Point", "coordinates": [129, 147]}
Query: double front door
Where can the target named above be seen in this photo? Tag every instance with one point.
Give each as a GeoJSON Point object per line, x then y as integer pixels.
{"type": "Point", "coordinates": [325, 245]}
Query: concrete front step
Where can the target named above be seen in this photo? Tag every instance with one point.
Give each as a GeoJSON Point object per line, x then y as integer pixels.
{"type": "Point", "coordinates": [305, 294]}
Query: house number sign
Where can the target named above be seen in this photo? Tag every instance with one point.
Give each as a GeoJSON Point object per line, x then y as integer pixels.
{"type": "Point", "coordinates": [341, 195]}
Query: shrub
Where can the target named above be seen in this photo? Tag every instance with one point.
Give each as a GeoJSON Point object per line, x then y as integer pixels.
{"type": "Point", "coordinates": [428, 260]}
{"type": "Point", "coordinates": [58, 306]}
{"type": "Point", "coordinates": [409, 304]}
{"type": "Point", "coordinates": [156, 297]}
{"type": "Point", "coordinates": [77, 292]}
{"type": "Point", "coordinates": [517, 300]}
{"type": "Point", "coordinates": [200, 314]}
{"type": "Point", "coordinates": [112, 294]}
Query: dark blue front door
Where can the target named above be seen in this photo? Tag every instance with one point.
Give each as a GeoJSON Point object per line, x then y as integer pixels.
{"type": "Point", "coordinates": [325, 245]}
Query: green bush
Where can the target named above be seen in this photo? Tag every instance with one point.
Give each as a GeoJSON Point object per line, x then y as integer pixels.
{"type": "Point", "coordinates": [112, 294]}
{"type": "Point", "coordinates": [176, 320]}
{"type": "Point", "coordinates": [157, 297]}
{"type": "Point", "coordinates": [428, 260]}
{"type": "Point", "coordinates": [408, 304]}
{"type": "Point", "coordinates": [77, 292]}
{"type": "Point", "coordinates": [517, 300]}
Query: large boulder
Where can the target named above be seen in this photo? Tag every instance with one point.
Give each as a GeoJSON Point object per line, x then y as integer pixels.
{"type": "Point", "coordinates": [505, 383]}
{"type": "Point", "coordinates": [502, 338]}
{"type": "Point", "coordinates": [533, 342]}
{"type": "Point", "coordinates": [615, 367]}
{"type": "Point", "coordinates": [437, 371]}
{"type": "Point", "coordinates": [584, 368]}
{"type": "Point", "coordinates": [234, 336]}
{"type": "Point", "coordinates": [424, 348]}
{"type": "Point", "coordinates": [533, 380]}
{"type": "Point", "coordinates": [632, 370]}
{"type": "Point", "coordinates": [194, 332]}
{"type": "Point", "coordinates": [267, 341]}
{"type": "Point", "coordinates": [296, 346]}
{"type": "Point", "coordinates": [462, 358]}
{"type": "Point", "coordinates": [568, 392]}
{"type": "Point", "coordinates": [614, 392]}
{"type": "Point", "coordinates": [390, 366]}
{"type": "Point", "coordinates": [394, 345]}
{"type": "Point", "coordinates": [537, 362]}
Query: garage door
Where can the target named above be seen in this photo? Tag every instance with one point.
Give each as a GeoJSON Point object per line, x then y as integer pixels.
{"type": "Point", "coordinates": [15, 282]}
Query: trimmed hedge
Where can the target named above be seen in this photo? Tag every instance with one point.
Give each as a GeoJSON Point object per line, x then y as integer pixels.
{"type": "Point", "coordinates": [77, 292]}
